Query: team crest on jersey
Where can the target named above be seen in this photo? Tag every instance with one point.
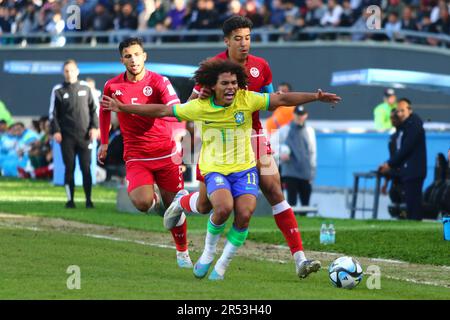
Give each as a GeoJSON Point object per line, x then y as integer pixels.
{"type": "Point", "coordinates": [239, 117]}
{"type": "Point", "coordinates": [254, 72]}
{"type": "Point", "coordinates": [147, 91]}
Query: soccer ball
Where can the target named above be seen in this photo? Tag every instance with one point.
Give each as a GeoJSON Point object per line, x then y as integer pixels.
{"type": "Point", "coordinates": [345, 272]}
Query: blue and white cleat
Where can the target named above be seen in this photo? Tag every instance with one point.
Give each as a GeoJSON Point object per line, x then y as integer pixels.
{"type": "Point", "coordinates": [173, 213]}
{"type": "Point", "coordinates": [215, 276]}
{"type": "Point", "coordinates": [183, 260]}
{"type": "Point", "coordinates": [200, 270]}
{"type": "Point", "coordinates": [307, 267]}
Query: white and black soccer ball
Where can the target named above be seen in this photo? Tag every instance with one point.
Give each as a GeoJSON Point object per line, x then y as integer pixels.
{"type": "Point", "coordinates": [345, 272]}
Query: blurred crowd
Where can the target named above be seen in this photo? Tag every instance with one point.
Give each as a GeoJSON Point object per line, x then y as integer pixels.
{"type": "Point", "coordinates": [26, 152]}
{"type": "Point", "coordinates": [288, 16]}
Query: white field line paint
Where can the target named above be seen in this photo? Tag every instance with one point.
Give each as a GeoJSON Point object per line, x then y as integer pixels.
{"type": "Point", "coordinates": [14, 226]}
{"type": "Point", "coordinates": [97, 236]}
{"type": "Point", "coordinates": [418, 281]}
{"type": "Point", "coordinates": [47, 199]}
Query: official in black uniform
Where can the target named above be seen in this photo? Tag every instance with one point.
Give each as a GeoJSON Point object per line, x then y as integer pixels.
{"type": "Point", "coordinates": [74, 125]}
{"type": "Point", "coordinates": [410, 158]}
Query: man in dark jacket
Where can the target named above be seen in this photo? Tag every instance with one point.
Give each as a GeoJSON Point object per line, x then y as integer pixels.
{"type": "Point", "coordinates": [74, 124]}
{"type": "Point", "coordinates": [410, 158]}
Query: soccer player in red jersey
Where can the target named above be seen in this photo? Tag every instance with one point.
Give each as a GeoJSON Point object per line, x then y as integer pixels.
{"type": "Point", "coordinates": [150, 151]}
{"type": "Point", "coordinates": [237, 37]}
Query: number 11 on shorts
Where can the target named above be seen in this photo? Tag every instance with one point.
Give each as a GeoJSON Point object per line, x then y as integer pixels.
{"type": "Point", "coordinates": [251, 178]}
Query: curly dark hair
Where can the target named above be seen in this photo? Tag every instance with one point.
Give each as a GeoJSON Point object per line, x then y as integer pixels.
{"type": "Point", "coordinates": [236, 22]}
{"type": "Point", "coordinates": [210, 69]}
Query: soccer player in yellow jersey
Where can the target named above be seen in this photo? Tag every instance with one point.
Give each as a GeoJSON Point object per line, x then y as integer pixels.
{"type": "Point", "coordinates": [227, 160]}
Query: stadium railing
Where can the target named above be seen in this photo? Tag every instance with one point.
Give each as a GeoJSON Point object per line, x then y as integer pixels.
{"type": "Point", "coordinates": [263, 35]}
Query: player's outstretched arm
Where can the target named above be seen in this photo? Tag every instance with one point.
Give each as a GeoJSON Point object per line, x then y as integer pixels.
{"type": "Point", "coordinates": [297, 98]}
{"type": "Point", "coordinates": [149, 110]}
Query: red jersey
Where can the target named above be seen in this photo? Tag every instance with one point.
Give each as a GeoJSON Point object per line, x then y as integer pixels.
{"type": "Point", "coordinates": [144, 138]}
{"type": "Point", "coordinates": [259, 75]}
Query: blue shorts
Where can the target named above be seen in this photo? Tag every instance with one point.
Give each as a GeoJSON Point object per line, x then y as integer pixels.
{"type": "Point", "coordinates": [239, 183]}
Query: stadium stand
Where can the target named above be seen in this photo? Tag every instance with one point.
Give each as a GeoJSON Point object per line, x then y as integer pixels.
{"type": "Point", "coordinates": [61, 22]}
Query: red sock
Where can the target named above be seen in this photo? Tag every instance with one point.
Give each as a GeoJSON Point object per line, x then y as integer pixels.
{"type": "Point", "coordinates": [179, 235]}
{"type": "Point", "coordinates": [185, 202]}
{"type": "Point", "coordinates": [287, 223]}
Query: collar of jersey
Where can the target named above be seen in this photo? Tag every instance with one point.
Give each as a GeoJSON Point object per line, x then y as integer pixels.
{"type": "Point", "coordinates": [213, 104]}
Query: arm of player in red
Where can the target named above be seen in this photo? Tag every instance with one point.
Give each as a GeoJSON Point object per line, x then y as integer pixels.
{"type": "Point", "coordinates": [148, 110]}
{"type": "Point", "coordinates": [296, 98]}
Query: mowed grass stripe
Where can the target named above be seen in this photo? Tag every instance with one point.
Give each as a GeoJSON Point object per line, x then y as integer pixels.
{"type": "Point", "coordinates": [123, 270]}
{"type": "Point", "coordinates": [417, 242]}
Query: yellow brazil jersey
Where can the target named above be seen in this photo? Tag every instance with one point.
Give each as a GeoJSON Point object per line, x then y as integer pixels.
{"type": "Point", "coordinates": [225, 131]}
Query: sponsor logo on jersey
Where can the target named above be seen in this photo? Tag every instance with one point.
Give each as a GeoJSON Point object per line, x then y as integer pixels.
{"type": "Point", "coordinates": [66, 96]}
{"type": "Point", "coordinates": [147, 91]}
{"type": "Point", "coordinates": [82, 93]}
{"type": "Point", "coordinates": [254, 72]}
{"type": "Point", "coordinates": [118, 93]}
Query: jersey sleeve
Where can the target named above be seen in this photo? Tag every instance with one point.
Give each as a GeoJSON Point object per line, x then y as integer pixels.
{"type": "Point", "coordinates": [267, 75]}
{"type": "Point", "coordinates": [105, 117]}
{"type": "Point", "coordinates": [189, 111]}
{"type": "Point", "coordinates": [168, 93]}
{"type": "Point", "coordinates": [258, 101]}
{"type": "Point", "coordinates": [197, 88]}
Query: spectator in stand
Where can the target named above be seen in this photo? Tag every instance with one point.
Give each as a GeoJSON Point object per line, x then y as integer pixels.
{"type": "Point", "coordinates": [396, 6]}
{"type": "Point", "coordinates": [443, 24]}
{"type": "Point", "coordinates": [393, 26]}
{"type": "Point", "coordinates": [408, 22]}
{"type": "Point", "coordinates": [361, 24]}
{"type": "Point", "coordinates": [435, 12]}
{"type": "Point", "coordinates": [28, 21]}
{"type": "Point", "coordinates": [427, 26]}
{"type": "Point", "coordinates": [332, 16]}
{"type": "Point", "coordinates": [252, 12]}
{"type": "Point", "coordinates": [203, 17]}
{"type": "Point", "coordinates": [102, 20]}
{"type": "Point", "coordinates": [157, 18]}
{"type": "Point", "coordinates": [316, 10]}
{"type": "Point", "coordinates": [291, 13]}
{"type": "Point", "coordinates": [127, 19]}
{"type": "Point", "coordinates": [234, 9]}
{"type": "Point", "coordinates": [175, 19]}
{"type": "Point", "coordinates": [347, 16]}
{"type": "Point", "coordinates": [278, 15]}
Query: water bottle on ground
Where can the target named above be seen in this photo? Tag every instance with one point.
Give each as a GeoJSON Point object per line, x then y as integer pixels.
{"type": "Point", "coordinates": [332, 234]}
{"type": "Point", "coordinates": [323, 234]}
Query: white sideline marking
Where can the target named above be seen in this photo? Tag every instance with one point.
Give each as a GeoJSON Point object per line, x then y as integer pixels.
{"type": "Point", "coordinates": [418, 281]}
{"type": "Point", "coordinates": [99, 236]}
